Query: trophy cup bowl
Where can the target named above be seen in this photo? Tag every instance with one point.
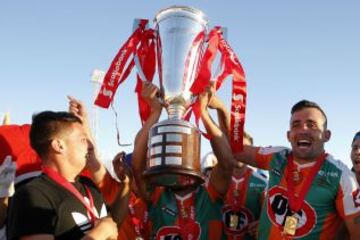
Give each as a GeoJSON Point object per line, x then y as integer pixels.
{"type": "Point", "coordinates": [173, 157]}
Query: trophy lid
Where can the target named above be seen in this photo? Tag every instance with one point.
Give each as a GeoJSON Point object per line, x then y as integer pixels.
{"type": "Point", "coordinates": [182, 11]}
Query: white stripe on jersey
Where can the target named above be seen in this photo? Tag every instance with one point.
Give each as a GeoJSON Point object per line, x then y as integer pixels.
{"type": "Point", "coordinates": [271, 150]}
{"type": "Point", "coordinates": [348, 184]}
{"type": "Point", "coordinates": [26, 176]}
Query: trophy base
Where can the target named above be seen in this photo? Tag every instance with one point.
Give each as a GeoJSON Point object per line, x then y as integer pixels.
{"type": "Point", "coordinates": [173, 158]}
{"type": "Point", "coordinates": [174, 177]}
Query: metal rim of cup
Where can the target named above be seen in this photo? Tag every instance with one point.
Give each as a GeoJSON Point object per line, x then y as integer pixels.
{"type": "Point", "coordinates": [182, 11]}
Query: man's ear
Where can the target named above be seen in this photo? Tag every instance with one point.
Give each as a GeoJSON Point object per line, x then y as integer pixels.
{"type": "Point", "coordinates": [327, 135]}
{"type": "Point", "coordinates": [57, 145]}
{"type": "Point", "coordinates": [288, 135]}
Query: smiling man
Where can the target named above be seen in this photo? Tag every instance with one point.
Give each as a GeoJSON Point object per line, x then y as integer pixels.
{"type": "Point", "coordinates": [355, 155]}
{"type": "Point", "coordinates": [309, 193]}
{"type": "Point", "coordinates": [60, 204]}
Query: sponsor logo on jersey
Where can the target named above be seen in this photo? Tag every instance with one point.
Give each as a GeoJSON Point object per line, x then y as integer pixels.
{"type": "Point", "coordinates": [276, 171]}
{"type": "Point", "coordinates": [243, 218]}
{"type": "Point", "coordinates": [278, 209]}
{"type": "Point", "coordinates": [174, 233]}
{"type": "Point", "coordinates": [84, 222]}
{"type": "Point", "coordinates": [328, 174]}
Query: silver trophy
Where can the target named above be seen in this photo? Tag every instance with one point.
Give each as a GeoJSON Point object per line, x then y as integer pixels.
{"type": "Point", "coordinates": [173, 157]}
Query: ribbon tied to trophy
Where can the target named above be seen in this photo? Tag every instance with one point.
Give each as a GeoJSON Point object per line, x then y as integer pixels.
{"type": "Point", "coordinates": [184, 50]}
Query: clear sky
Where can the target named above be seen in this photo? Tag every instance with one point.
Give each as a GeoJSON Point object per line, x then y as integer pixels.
{"type": "Point", "coordinates": [290, 50]}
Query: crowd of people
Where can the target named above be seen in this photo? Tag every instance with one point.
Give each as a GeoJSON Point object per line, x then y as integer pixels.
{"type": "Point", "coordinates": [54, 185]}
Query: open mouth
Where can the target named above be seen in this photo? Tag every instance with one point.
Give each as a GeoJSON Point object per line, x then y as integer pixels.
{"type": "Point", "coordinates": [303, 143]}
{"type": "Point", "coordinates": [357, 161]}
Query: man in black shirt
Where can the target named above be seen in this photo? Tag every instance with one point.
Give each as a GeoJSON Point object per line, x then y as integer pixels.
{"type": "Point", "coordinates": [59, 204]}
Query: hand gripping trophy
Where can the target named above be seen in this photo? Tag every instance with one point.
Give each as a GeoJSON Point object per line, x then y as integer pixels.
{"type": "Point", "coordinates": [184, 49]}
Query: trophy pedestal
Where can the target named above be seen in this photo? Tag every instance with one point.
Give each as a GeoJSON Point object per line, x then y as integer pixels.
{"type": "Point", "coordinates": [173, 158]}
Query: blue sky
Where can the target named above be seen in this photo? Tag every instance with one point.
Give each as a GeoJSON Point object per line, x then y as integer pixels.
{"type": "Point", "coordinates": [290, 50]}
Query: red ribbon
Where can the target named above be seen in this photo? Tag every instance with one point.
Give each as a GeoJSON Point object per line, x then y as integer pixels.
{"type": "Point", "coordinates": [296, 202]}
{"type": "Point", "coordinates": [146, 53]}
{"type": "Point", "coordinates": [56, 177]}
{"type": "Point", "coordinates": [147, 61]}
{"type": "Point", "coordinates": [189, 229]}
{"type": "Point", "coordinates": [231, 66]}
{"type": "Point", "coordinates": [116, 73]}
{"type": "Point", "coordinates": [139, 224]}
{"type": "Point", "coordinates": [239, 186]}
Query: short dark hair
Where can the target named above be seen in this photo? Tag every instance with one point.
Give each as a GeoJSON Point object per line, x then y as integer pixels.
{"type": "Point", "coordinates": [45, 125]}
{"type": "Point", "coordinates": [356, 136]}
{"type": "Point", "coordinates": [303, 104]}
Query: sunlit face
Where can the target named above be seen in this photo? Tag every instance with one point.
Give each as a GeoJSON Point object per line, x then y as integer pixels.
{"type": "Point", "coordinates": [307, 134]}
{"type": "Point", "coordinates": [355, 155]}
{"type": "Point", "coordinates": [76, 146]}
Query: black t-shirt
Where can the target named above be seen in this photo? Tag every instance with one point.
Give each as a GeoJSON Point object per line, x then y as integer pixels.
{"type": "Point", "coordinates": [44, 207]}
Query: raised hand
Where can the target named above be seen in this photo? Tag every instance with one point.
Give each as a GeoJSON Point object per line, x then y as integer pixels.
{"type": "Point", "coordinates": [122, 170]}
{"type": "Point", "coordinates": [150, 93]}
{"type": "Point", "coordinates": [7, 177]}
{"type": "Point", "coordinates": [77, 108]}
{"type": "Point", "coordinates": [105, 229]}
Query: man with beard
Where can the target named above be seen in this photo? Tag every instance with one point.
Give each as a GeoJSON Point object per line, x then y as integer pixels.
{"type": "Point", "coordinates": [309, 193]}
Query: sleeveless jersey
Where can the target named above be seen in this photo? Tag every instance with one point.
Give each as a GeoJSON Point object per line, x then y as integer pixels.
{"type": "Point", "coordinates": [248, 192]}
{"type": "Point", "coordinates": [333, 196]}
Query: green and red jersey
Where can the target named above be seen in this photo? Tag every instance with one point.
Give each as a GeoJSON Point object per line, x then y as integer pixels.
{"type": "Point", "coordinates": [332, 197]}
{"type": "Point", "coordinates": [243, 204]}
{"type": "Point", "coordinates": [164, 214]}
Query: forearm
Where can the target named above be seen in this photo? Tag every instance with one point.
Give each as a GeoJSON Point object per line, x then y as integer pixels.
{"type": "Point", "coordinates": [139, 153]}
{"type": "Point", "coordinates": [97, 169]}
{"type": "Point", "coordinates": [221, 174]}
{"type": "Point", "coordinates": [224, 119]}
{"type": "Point", "coordinates": [247, 156]}
{"type": "Point", "coordinates": [141, 140]}
{"type": "Point", "coordinates": [218, 141]}
{"type": "Point", "coordinates": [119, 207]}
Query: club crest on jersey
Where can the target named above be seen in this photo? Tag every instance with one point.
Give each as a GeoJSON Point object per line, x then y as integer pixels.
{"type": "Point", "coordinates": [356, 197]}
{"type": "Point", "coordinates": [236, 221]}
{"type": "Point", "coordinates": [278, 209]}
{"type": "Point", "coordinates": [174, 233]}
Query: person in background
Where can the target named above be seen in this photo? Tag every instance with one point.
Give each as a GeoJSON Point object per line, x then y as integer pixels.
{"type": "Point", "coordinates": [244, 199]}
{"type": "Point", "coordinates": [136, 224]}
{"type": "Point", "coordinates": [343, 234]}
{"type": "Point", "coordinates": [19, 163]}
{"type": "Point", "coordinates": [355, 156]}
{"type": "Point", "coordinates": [208, 162]}
{"type": "Point", "coordinates": [59, 203]}
{"type": "Point", "coordinates": [246, 192]}
{"type": "Point", "coordinates": [242, 207]}
{"type": "Point", "coordinates": [309, 193]}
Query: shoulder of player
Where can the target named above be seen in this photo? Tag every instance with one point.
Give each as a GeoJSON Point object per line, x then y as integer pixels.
{"type": "Point", "coordinates": [272, 150]}
{"type": "Point", "coordinates": [259, 178]}
{"type": "Point", "coordinates": [337, 164]}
